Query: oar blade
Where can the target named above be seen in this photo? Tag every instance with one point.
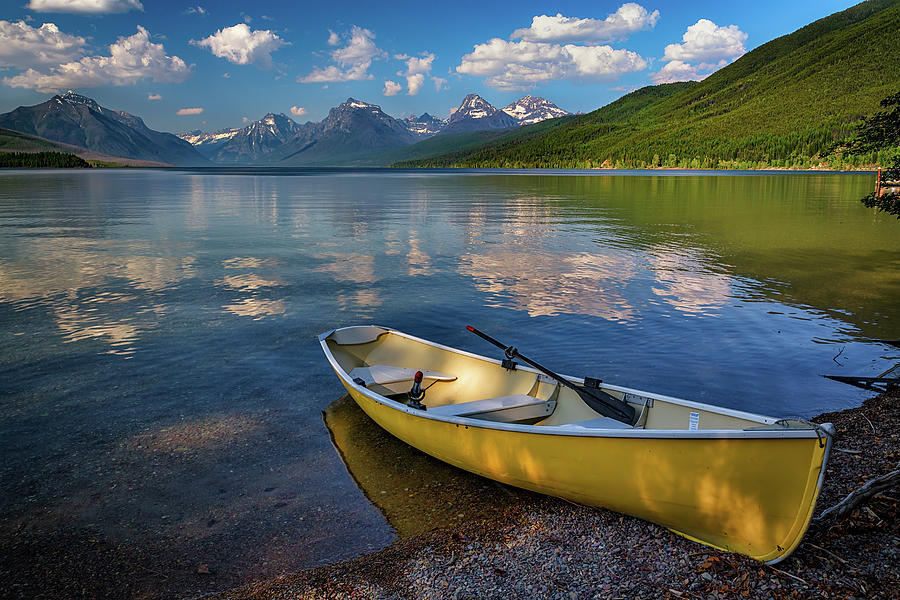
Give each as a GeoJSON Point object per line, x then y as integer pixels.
{"type": "Point", "coordinates": [607, 405]}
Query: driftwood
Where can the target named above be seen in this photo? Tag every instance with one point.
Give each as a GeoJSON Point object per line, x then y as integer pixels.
{"type": "Point", "coordinates": [861, 494]}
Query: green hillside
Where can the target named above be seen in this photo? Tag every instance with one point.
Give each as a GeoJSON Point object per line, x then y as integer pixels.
{"type": "Point", "coordinates": [789, 103]}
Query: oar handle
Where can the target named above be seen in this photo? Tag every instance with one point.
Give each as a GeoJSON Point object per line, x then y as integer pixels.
{"type": "Point", "coordinates": [487, 338]}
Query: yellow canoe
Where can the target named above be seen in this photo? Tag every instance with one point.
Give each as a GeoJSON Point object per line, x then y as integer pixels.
{"type": "Point", "coordinates": [732, 480]}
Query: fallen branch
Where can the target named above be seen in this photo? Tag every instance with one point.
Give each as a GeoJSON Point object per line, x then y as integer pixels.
{"type": "Point", "coordinates": [862, 493]}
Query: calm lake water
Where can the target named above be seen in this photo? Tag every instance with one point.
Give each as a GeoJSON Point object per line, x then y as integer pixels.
{"type": "Point", "coordinates": [162, 391]}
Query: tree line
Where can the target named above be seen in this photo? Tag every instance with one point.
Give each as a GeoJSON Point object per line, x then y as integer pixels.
{"type": "Point", "coordinates": [42, 160]}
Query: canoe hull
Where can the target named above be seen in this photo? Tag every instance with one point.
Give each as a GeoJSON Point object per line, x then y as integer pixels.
{"type": "Point", "coordinates": [752, 496]}
{"type": "Point", "coordinates": [747, 491]}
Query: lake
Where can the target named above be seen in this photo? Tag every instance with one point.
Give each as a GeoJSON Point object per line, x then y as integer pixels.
{"type": "Point", "coordinates": [162, 391]}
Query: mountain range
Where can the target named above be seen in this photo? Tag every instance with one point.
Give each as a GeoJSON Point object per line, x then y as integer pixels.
{"type": "Point", "coordinates": [357, 132]}
{"type": "Point", "coordinates": [354, 132]}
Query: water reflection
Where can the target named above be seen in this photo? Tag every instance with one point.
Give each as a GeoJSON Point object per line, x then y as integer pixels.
{"type": "Point", "coordinates": [252, 288]}
{"type": "Point", "coordinates": [71, 278]}
{"type": "Point", "coordinates": [547, 284]}
{"type": "Point", "coordinates": [683, 280]}
{"type": "Point", "coordinates": [415, 492]}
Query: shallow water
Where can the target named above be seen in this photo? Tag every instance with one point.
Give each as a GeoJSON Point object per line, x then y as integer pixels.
{"type": "Point", "coordinates": [160, 382]}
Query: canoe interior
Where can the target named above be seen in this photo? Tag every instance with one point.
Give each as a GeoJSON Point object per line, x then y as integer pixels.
{"type": "Point", "coordinates": [476, 378]}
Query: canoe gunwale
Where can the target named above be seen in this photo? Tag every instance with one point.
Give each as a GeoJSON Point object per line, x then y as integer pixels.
{"type": "Point", "coordinates": [817, 431]}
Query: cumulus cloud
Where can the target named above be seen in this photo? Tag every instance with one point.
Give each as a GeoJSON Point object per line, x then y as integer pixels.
{"type": "Point", "coordinates": [93, 7]}
{"type": "Point", "coordinates": [154, 96]}
{"type": "Point", "coordinates": [523, 65]}
{"type": "Point", "coordinates": [706, 41]}
{"type": "Point", "coordinates": [189, 111]}
{"type": "Point", "coordinates": [242, 46]}
{"type": "Point", "coordinates": [705, 47]}
{"type": "Point", "coordinates": [333, 38]}
{"type": "Point", "coordinates": [298, 111]}
{"type": "Point", "coordinates": [414, 83]}
{"type": "Point", "coordinates": [392, 88]}
{"type": "Point", "coordinates": [628, 19]}
{"type": "Point", "coordinates": [560, 49]}
{"type": "Point", "coordinates": [24, 46]}
{"type": "Point", "coordinates": [417, 67]}
{"type": "Point", "coordinates": [131, 59]}
{"type": "Point", "coordinates": [352, 61]}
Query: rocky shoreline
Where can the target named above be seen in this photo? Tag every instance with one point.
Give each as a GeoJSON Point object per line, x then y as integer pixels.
{"type": "Point", "coordinates": [550, 548]}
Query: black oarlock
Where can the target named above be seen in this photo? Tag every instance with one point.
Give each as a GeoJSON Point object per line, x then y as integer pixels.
{"type": "Point", "coordinates": [417, 394]}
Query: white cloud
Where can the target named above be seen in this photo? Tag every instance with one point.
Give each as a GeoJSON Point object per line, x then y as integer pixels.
{"type": "Point", "coordinates": [416, 65]}
{"type": "Point", "coordinates": [439, 82]}
{"type": "Point", "coordinates": [352, 61]}
{"type": "Point", "coordinates": [524, 65]}
{"type": "Point", "coordinates": [242, 46]}
{"type": "Point", "coordinates": [245, 120]}
{"type": "Point", "coordinates": [628, 19]}
{"type": "Point", "coordinates": [333, 38]}
{"type": "Point", "coordinates": [298, 111]}
{"type": "Point", "coordinates": [95, 7]}
{"type": "Point", "coordinates": [416, 70]}
{"type": "Point", "coordinates": [154, 96]}
{"type": "Point", "coordinates": [226, 75]}
{"type": "Point", "coordinates": [392, 88]}
{"type": "Point", "coordinates": [130, 60]}
{"type": "Point", "coordinates": [414, 83]}
{"type": "Point", "coordinates": [24, 46]}
{"type": "Point", "coordinates": [707, 45]}
{"type": "Point", "coordinates": [196, 10]}
{"type": "Point", "coordinates": [706, 41]}
{"type": "Point", "coordinates": [189, 111]}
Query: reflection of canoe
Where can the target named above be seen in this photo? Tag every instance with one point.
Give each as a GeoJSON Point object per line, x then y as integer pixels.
{"type": "Point", "coordinates": [732, 480]}
{"type": "Point", "coordinates": [414, 491]}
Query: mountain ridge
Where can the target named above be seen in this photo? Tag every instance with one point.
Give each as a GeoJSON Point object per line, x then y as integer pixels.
{"type": "Point", "coordinates": [77, 120]}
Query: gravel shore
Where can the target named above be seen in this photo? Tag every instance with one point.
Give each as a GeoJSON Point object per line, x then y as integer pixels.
{"type": "Point", "coordinates": [549, 548]}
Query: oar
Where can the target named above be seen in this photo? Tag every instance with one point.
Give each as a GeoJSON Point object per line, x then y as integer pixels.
{"type": "Point", "coordinates": [600, 401]}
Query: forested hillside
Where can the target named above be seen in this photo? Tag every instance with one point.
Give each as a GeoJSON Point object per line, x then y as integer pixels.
{"type": "Point", "coordinates": [793, 102]}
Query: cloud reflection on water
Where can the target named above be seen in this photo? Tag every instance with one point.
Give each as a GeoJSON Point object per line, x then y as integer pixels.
{"type": "Point", "coordinates": [72, 278]}
{"type": "Point", "coordinates": [683, 281]}
{"type": "Point", "coordinates": [547, 284]}
{"type": "Point", "coordinates": [252, 287]}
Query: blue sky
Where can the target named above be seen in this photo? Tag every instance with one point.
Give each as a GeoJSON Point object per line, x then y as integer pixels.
{"type": "Point", "coordinates": [209, 65]}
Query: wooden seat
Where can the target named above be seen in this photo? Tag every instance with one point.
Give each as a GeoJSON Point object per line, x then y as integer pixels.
{"type": "Point", "coordinates": [506, 409]}
{"type": "Point", "coordinates": [384, 374]}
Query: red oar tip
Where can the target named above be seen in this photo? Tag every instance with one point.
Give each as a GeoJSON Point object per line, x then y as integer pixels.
{"type": "Point", "coordinates": [470, 328]}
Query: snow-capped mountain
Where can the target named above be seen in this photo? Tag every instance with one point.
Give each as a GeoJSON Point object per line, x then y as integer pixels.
{"type": "Point", "coordinates": [245, 144]}
{"type": "Point", "coordinates": [475, 113]}
{"type": "Point", "coordinates": [530, 110]}
{"type": "Point", "coordinates": [78, 120]}
{"type": "Point", "coordinates": [351, 129]}
{"type": "Point", "coordinates": [425, 125]}
{"type": "Point", "coordinates": [198, 138]}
